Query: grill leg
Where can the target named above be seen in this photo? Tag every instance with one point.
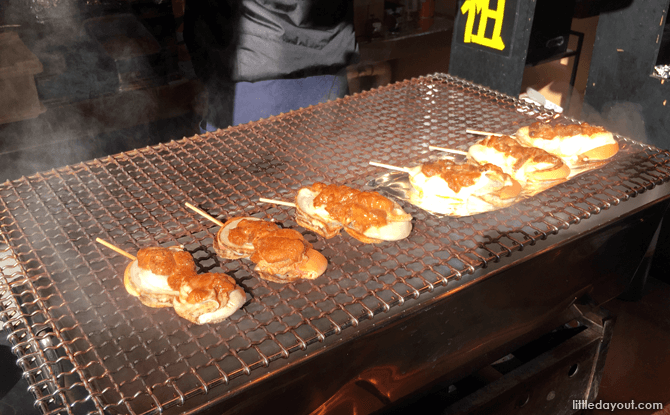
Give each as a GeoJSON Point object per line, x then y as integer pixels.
{"type": "Point", "coordinates": [636, 287]}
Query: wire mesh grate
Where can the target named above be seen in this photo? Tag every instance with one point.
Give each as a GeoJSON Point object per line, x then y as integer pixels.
{"type": "Point", "coordinates": [87, 346]}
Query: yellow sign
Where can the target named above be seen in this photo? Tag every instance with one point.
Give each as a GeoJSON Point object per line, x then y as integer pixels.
{"type": "Point", "coordinates": [481, 7]}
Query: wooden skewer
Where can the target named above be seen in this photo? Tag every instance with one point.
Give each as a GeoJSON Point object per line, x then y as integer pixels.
{"type": "Point", "coordinates": [112, 247]}
{"type": "Point", "coordinates": [482, 133]}
{"type": "Point", "coordinates": [204, 214]}
{"type": "Point", "coordinates": [388, 166]}
{"type": "Point", "coordinates": [276, 202]}
{"type": "Point", "coordinates": [448, 150]}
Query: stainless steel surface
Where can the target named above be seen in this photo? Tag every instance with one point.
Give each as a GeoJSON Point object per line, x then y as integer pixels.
{"type": "Point", "coordinates": [88, 346]}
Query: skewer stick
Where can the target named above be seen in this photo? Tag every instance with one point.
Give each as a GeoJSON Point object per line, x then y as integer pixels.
{"type": "Point", "coordinates": [276, 202]}
{"type": "Point", "coordinates": [204, 214]}
{"type": "Point", "coordinates": [448, 150]}
{"type": "Point", "coordinates": [112, 247]}
{"type": "Point", "coordinates": [388, 166]}
{"type": "Point", "coordinates": [482, 133]}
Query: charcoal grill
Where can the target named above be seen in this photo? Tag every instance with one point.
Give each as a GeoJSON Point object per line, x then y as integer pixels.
{"type": "Point", "coordinates": [382, 322]}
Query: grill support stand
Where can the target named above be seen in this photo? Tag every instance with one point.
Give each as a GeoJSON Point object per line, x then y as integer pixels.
{"type": "Point", "coordinates": [556, 382]}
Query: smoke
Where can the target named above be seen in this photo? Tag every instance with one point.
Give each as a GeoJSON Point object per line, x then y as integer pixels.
{"type": "Point", "coordinates": [54, 15]}
{"type": "Point", "coordinates": [100, 94]}
{"type": "Point", "coordinates": [623, 118]}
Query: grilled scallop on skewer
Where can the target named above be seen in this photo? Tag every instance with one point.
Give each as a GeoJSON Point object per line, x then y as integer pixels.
{"type": "Point", "coordinates": [575, 143]}
{"type": "Point", "coordinates": [166, 277]}
{"type": "Point", "coordinates": [284, 256]}
{"type": "Point", "coordinates": [366, 216]}
{"type": "Point", "coordinates": [445, 182]}
{"type": "Point", "coordinates": [281, 255]}
{"type": "Point", "coordinates": [523, 163]}
{"type": "Point", "coordinates": [235, 238]}
{"type": "Point", "coordinates": [199, 298]}
{"type": "Point", "coordinates": [151, 277]}
{"type": "Point", "coordinates": [459, 189]}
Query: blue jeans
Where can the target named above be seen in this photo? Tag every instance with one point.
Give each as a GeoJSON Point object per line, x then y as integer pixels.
{"type": "Point", "coordinates": [256, 100]}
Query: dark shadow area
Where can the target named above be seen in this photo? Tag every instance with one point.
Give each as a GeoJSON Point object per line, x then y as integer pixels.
{"type": "Point", "coordinates": [24, 154]}
{"type": "Point", "coordinates": [11, 373]}
{"type": "Point", "coordinates": [104, 77]}
{"type": "Point", "coordinates": [14, 396]}
{"type": "Point", "coordinates": [590, 8]}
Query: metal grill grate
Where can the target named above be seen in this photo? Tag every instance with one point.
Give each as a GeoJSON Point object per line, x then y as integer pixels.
{"type": "Point", "coordinates": [88, 346]}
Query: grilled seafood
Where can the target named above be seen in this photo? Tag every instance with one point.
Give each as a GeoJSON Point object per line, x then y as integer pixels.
{"type": "Point", "coordinates": [575, 143]}
{"type": "Point", "coordinates": [167, 277]}
{"type": "Point", "coordinates": [281, 255]}
{"type": "Point", "coordinates": [208, 298]}
{"type": "Point", "coordinates": [366, 216]}
{"type": "Point", "coordinates": [521, 162]}
{"type": "Point", "coordinates": [153, 276]}
{"type": "Point", "coordinates": [235, 238]}
{"type": "Point", "coordinates": [447, 187]}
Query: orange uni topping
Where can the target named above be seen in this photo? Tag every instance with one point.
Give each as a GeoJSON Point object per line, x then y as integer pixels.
{"type": "Point", "coordinates": [248, 230]}
{"type": "Point", "coordinates": [177, 265]}
{"type": "Point", "coordinates": [184, 268]}
{"type": "Point", "coordinates": [203, 284]}
{"type": "Point", "coordinates": [510, 147]}
{"type": "Point", "coordinates": [456, 175]}
{"type": "Point", "coordinates": [351, 206]}
{"type": "Point", "coordinates": [281, 245]}
{"type": "Point", "coordinates": [548, 132]}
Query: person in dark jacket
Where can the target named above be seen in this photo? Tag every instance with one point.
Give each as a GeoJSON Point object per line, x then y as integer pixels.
{"type": "Point", "coordinates": [259, 58]}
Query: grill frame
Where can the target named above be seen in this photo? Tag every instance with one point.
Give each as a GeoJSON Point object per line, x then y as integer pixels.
{"type": "Point", "coordinates": [69, 363]}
